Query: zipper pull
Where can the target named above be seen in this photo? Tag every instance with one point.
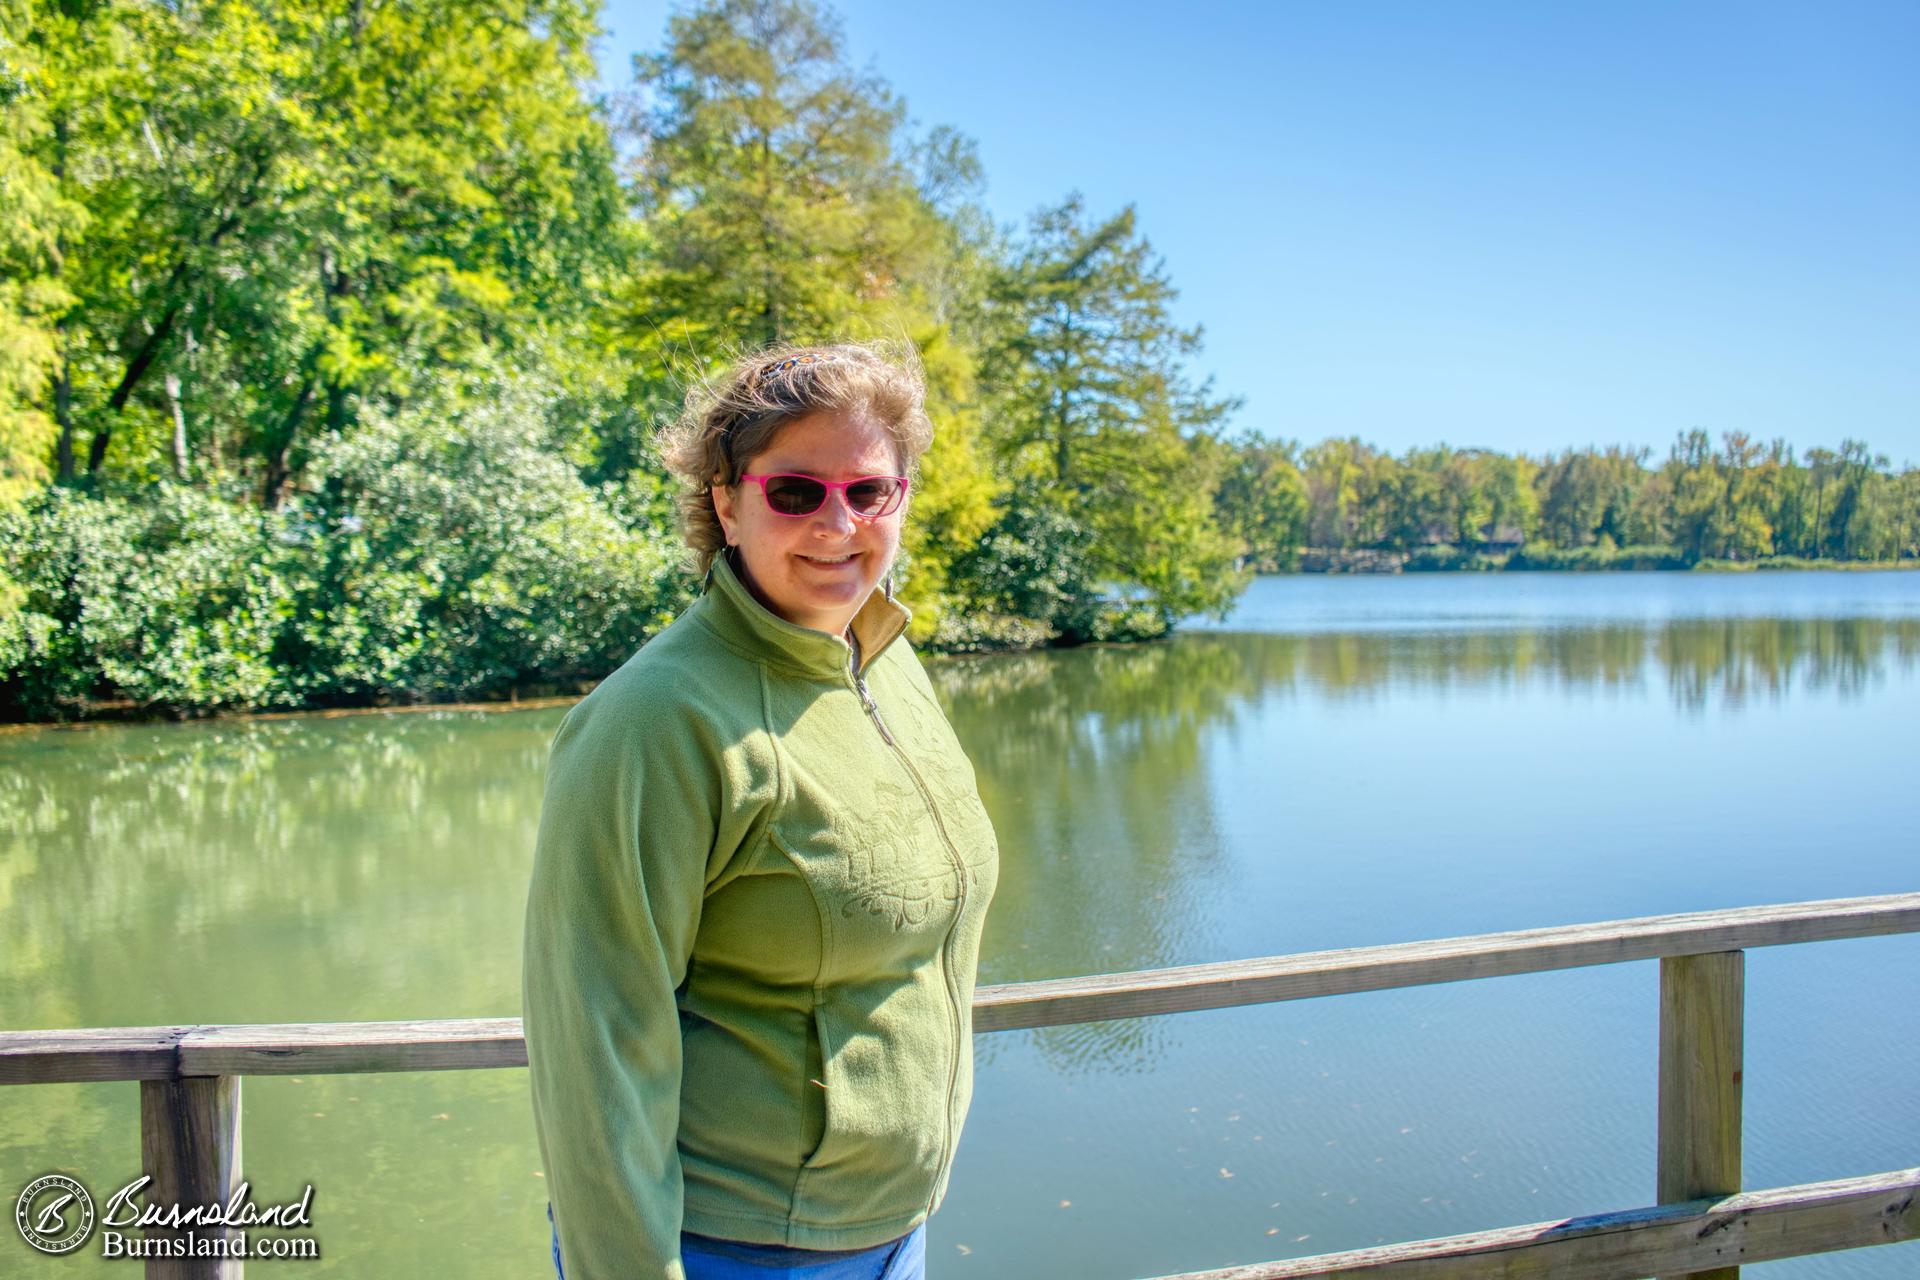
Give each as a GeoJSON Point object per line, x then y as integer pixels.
{"type": "Point", "coordinates": [873, 708]}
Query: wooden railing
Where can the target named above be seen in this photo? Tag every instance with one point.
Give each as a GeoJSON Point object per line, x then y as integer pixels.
{"type": "Point", "coordinates": [1703, 1225]}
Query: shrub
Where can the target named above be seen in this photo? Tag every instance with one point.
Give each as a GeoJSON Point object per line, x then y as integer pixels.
{"type": "Point", "coordinates": [459, 555]}
{"type": "Point", "coordinates": [442, 553]}
{"type": "Point", "coordinates": [1536, 555]}
{"type": "Point", "coordinates": [175, 601]}
{"type": "Point", "coordinates": [1034, 563]}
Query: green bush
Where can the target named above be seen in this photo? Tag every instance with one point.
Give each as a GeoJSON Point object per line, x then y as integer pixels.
{"type": "Point", "coordinates": [1035, 564]}
{"type": "Point", "coordinates": [1034, 573]}
{"type": "Point", "coordinates": [440, 554]}
{"type": "Point", "coordinates": [458, 555]}
{"type": "Point", "coordinates": [174, 600]}
{"type": "Point", "coordinates": [1538, 555]}
{"type": "Point", "coordinates": [1762, 563]}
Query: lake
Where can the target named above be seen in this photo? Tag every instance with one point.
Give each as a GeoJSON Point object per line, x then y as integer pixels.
{"type": "Point", "coordinates": [1344, 761]}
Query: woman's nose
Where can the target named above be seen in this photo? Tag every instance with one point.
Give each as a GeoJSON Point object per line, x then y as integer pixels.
{"type": "Point", "coordinates": [834, 515]}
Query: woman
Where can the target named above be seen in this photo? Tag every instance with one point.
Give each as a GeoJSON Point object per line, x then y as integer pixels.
{"type": "Point", "coordinates": [762, 871]}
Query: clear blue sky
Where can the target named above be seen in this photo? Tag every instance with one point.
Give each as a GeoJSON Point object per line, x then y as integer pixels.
{"type": "Point", "coordinates": [1522, 226]}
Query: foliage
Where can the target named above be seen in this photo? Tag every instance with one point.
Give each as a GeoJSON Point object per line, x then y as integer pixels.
{"type": "Point", "coordinates": [450, 552]}
{"type": "Point", "coordinates": [779, 202]}
{"type": "Point", "coordinates": [173, 600]}
{"type": "Point", "coordinates": [299, 208]}
{"type": "Point", "coordinates": [1036, 563]}
{"type": "Point", "coordinates": [1605, 507]}
{"type": "Point", "coordinates": [1089, 351]}
{"type": "Point", "coordinates": [445, 556]}
{"type": "Point", "coordinates": [35, 222]}
{"type": "Point", "coordinates": [1152, 512]}
{"type": "Point", "coordinates": [1537, 555]}
{"type": "Point", "coordinates": [1093, 403]}
{"type": "Point", "coordinates": [1262, 502]}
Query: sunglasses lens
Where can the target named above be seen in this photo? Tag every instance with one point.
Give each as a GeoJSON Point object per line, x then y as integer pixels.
{"type": "Point", "coordinates": [795, 495]}
{"type": "Point", "coordinates": [875, 496]}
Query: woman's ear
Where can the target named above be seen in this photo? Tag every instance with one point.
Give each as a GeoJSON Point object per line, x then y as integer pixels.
{"type": "Point", "coordinates": [723, 499]}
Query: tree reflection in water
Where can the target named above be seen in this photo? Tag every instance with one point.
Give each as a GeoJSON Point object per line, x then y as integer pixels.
{"type": "Point", "coordinates": [1091, 760]}
{"type": "Point", "coordinates": [375, 866]}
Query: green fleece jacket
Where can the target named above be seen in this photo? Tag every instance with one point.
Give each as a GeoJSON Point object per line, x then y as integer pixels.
{"type": "Point", "coordinates": [751, 938]}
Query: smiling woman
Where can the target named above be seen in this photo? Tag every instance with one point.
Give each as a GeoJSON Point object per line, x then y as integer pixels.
{"type": "Point", "coordinates": [746, 422]}
{"type": "Point", "coordinates": [824, 523]}
{"type": "Point", "coordinates": [762, 872]}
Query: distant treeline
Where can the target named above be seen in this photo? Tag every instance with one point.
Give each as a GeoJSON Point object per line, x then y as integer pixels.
{"type": "Point", "coordinates": [1292, 506]}
{"type": "Point", "coordinates": [333, 335]}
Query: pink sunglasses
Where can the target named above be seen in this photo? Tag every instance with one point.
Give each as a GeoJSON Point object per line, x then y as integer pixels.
{"type": "Point", "coordinates": [789, 493]}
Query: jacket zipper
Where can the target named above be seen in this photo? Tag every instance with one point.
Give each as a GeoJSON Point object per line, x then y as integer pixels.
{"type": "Point", "coordinates": [946, 945]}
{"type": "Point", "coordinates": [873, 709]}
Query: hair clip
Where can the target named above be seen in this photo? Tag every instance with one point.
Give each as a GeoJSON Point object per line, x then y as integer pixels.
{"type": "Point", "coordinates": [767, 375]}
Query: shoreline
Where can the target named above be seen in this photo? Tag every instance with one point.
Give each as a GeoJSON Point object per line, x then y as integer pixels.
{"type": "Point", "coordinates": [1585, 560]}
{"type": "Point", "coordinates": [545, 694]}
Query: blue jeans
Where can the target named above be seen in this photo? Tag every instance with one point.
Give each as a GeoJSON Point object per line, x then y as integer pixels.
{"type": "Point", "coordinates": [704, 1259]}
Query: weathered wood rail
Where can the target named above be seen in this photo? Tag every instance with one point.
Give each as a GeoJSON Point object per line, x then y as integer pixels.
{"type": "Point", "coordinates": [1702, 1225]}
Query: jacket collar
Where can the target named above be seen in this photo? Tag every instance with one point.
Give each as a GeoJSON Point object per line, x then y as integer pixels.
{"type": "Point", "coordinates": [733, 612]}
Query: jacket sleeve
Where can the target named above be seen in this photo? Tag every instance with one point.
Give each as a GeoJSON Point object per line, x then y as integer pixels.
{"type": "Point", "coordinates": [631, 830]}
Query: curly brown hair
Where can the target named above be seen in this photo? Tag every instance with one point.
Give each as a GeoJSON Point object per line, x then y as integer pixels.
{"type": "Point", "coordinates": [730, 419]}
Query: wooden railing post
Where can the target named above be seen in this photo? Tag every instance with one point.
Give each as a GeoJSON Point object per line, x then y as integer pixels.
{"type": "Point", "coordinates": [190, 1145]}
{"type": "Point", "coordinates": [1702, 1015]}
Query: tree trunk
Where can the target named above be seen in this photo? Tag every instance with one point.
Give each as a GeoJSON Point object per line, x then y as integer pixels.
{"type": "Point", "coordinates": [1062, 447]}
{"type": "Point", "coordinates": [143, 358]}
{"type": "Point", "coordinates": [336, 409]}
{"type": "Point", "coordinates": [273, 487]}
{"type": "Point", "coordinates": [157, 334]}
{"type": "Point", "coordinates": [769, 240]}
{"type": "Point", "coordinates": [63, 412]}
{"type": "Point", "coordinates": [179, 427]}
{"type": "Point", "coordinates": [63, 380]}
{"type": "Point", "coordinates": [136, 369]}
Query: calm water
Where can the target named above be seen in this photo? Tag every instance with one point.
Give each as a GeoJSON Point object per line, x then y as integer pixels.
{"type": "Point", "coordinates": [1346, 761]}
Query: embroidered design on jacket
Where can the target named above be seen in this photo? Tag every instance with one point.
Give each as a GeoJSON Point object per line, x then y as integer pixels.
{"type": "Point", "coordinates": [898, 868]}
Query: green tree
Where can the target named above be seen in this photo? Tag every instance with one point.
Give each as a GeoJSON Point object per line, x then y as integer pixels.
{"type": "Point", "coordinates": [1698, 486]}
{"type": "Point", "coordinates": [1092, 398]}
{"type": "Point", "coordinates": [1153, 515]}
{"type": "Point", "coordinates": [782, 198]}
{"type": "Point", "coordinates": [1862, 519]}
{"type": "Point", "coordinates": [1907, 500]}
{"type": "Point", "coordinates": [298, 206]}
{"type": "Point", "coordinates": [1089, 352]}
{"type": "Point", "coordinates": [1262, 501]}
{"type": "Point", "coordinates": [1590, 495]}
{"type": "Point", "coordinates": [1512, 502]}
{"type": "Point", "coordinates": [1333, 470]}
{"type": "Point", "coordinates": [1751, 502]}
{"type": "Point", "coordinates": [36, 225]}
{"type": "Point", "coordinates": [777, 184]}
{"type": "Point", "coordinates": [954, 498]}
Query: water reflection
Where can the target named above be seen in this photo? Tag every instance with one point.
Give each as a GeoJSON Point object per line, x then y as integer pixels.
{"type": "Point", "coordinates": [1702, 663]}
{"type": "Point", "coordinates": [1089, 761]}
{"type": "Point", "coordinates": [342, 850]}
{"type": "Point", "coordinates": [1092, 761]}
{"type": "Point", "coordinates": [366, 851]}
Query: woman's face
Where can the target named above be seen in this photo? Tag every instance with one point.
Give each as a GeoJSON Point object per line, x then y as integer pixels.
{"type": "Point", "coordinates": [814, 570]}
